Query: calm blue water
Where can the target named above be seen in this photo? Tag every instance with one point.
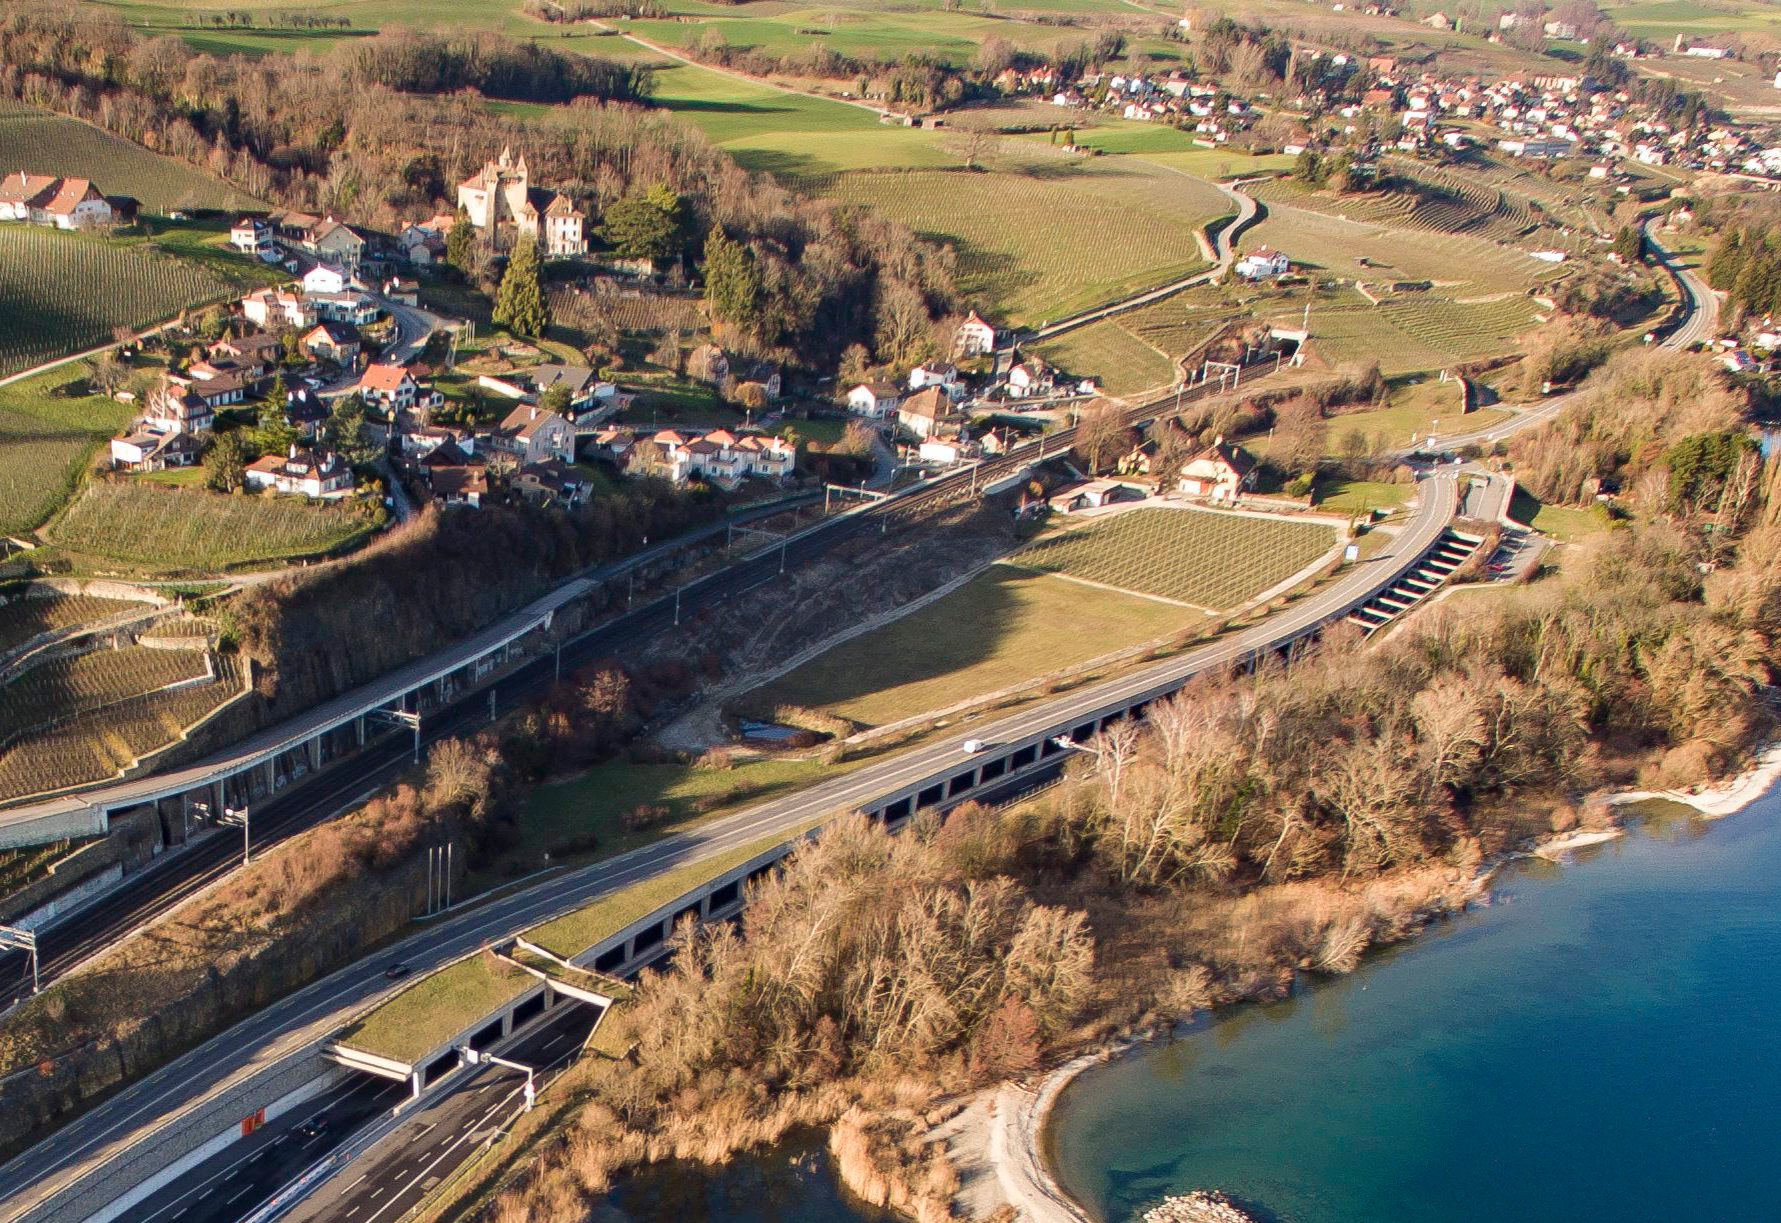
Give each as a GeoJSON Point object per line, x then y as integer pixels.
{"type": "Point", "coordinates": [1602, 1043]}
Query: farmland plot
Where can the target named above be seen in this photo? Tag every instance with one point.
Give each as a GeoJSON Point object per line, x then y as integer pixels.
{"type": "Point", "coordinates": [65, 687]}
{"type": "Point", "coordinates": [45, 143]}
{"type": "Point", "coordinates": [1205, 558]}
{"type": "Point", "coordinates": [47, 430]}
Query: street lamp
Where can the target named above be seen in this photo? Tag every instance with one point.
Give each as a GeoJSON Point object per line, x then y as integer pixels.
{"type": "Point", "coordinates": [239, 815]}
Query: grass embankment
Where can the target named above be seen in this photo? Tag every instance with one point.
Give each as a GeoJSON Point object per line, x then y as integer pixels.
{"type": "Point", "coordinates": [176, 530]}
{"type": "Point", "coordinates": [1003, 627]}
{"type": "Point", "coordinates": [1362, 496]}
{"type": "Point", "coordinates": [441, 1005]}
{"type": "Point", "coordinates": [1567, 524]}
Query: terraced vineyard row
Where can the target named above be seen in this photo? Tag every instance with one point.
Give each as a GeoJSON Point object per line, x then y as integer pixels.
{"type": "Point", "coordinates": [66, 687]}
{"type": "Point", "coordinates": [1208, 559]}
{"type": "Point", "coordinates": [23, 619]}
{"type": "Point", "coordinates": [102, 745]}
{"type": "Point", "coordinates": [63, 292]}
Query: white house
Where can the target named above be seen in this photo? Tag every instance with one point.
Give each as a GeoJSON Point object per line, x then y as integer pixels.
{"type": "Point", "coordinates": [142, 449]}
{"type": "Point", "coordinates": [388, 386]}
{"type": "Point", "coordinates": [251, 236]}
{"type": "Point", "coordinates": [535, 434]}
{"type": "Point", "coordinates": [974, 337]}
{"type": "Point", "coordinates": [275, 308]}
{"type": "Point", "coordinates": [925, 411]}
{"type": "Point", "coordinates": [1263, 263]}
{"type": "Point", "coordinates": [934, 373]}
{"type": "Point", "coordinates": [323, 279]}
{"type": "Point", "coordinates": [1218, 472]}
{"type": "Point", "coordinates": [315, 473]}
{"type": "Point", "coordinates": [61, 203]}
{"type": "Point", "coordinates": [874, 399]}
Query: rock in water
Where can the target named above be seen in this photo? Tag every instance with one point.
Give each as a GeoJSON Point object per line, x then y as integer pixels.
{"type": "Point", "coordinates": [1200, 1206]}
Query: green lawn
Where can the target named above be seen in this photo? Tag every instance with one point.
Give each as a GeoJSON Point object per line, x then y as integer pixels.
{"type": "Point", "coordinates": [1564, 523]}
{"type": "Point", "coordinates": [1003, 628]}
{"type": "Point", "coordinates": [47, 431]}
{"type": "Point", "coordinates": [1360, 496]}
{"type": "Point", "coordinates": [438, 1007]}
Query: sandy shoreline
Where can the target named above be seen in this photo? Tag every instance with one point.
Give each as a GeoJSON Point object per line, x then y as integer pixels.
{"type": "Point", "coordinates": [1007, 1137]}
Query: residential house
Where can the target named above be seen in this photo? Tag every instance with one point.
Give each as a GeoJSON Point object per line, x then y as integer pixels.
{"type": "Point", "coordinates": [924, 412]}
{"type": "Point", "coordinates": [252, 236]}
{"type": "Point", "coordinates": [1263, 263]}
{"type": "Point", "coordinates": [1218, 473]}
{"type": "Point", "coordinates": [176, 409]}
{"type": "Point", "coordinates": [934, 373]}
{"type": "Point", "coordinates": [142, 449]}
{"type": "Point", "coordinates": [350, 307]}
{"type": "Point", "coordinates": [499, 198]}
{"type": "Point", "coordinates": [390, 387]}
{"type": "Point", "coordinates": [874, 399]}
{"type": "Point", "coordinates": [60, 203]}
{"type": "Point", "coordinates": [278, 308]}
{"type": "Point", "coordinates": [1031, 377]}
{"type": "Point", "coordinates": [307, 412]}
{"type": "Point", "coordinates": [767, 376]}
{"type": "Point", "coordinates": [323, 279]}
{"type": "Point", "coordinates": [314, 472]}
{"type": "Point", "coordinates": [975, 337]}
{"type": "Point", "coordinates": [402, 292]}
{"type": "Point", "coordinates": [336, 242]}
{"type": "Point", "coordinates": [533, 434]}
{"type": "Point", "coordinates": [550, 481]}
{"type": "Point", "coordinates": [1093, 495]}
{"type": "Point", "coordinates": [336, 342]}
{"type": "Point", "coordinates": [465, 485]}
{"type": "Point", "coordinates": [258, 353]}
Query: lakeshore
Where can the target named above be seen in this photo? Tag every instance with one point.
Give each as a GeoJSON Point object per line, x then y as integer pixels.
{"type": "Point", "coordinates": [1038, 1140]}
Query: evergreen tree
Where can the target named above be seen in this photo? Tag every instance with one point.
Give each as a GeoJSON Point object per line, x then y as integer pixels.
{"type": "Point", "coordinates": [346, 430]}
{"type": "Point", "coordinates": [460, 242]}
{"type": "Point", "coordinates": [732, 281]}
{"type": "Point", "coordinates": [519, 303]}
{"type": "Point", "coordinates": [1629, 243]}
{"type": "Point", "coordinates": [273, 433]}
{"type": "Point", "coordinates": [225, 463]}
{"type": "Point", "coordinates": [649, 224]}
{"type": "Point", "coordinates": [1727, 262]}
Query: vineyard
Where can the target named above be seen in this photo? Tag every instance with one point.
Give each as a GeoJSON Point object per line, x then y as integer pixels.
{"type": "Point", "coordinates": [1419, 331]}
{"type": "Point", "coordinates": [1207, 559]}
{"type": "Point", "coordinates": [630, 313]}
{"type": "Point", "coordinates": [48, 427]}
{"type": "Point", "coordinates": [1039, 246]}
{"type": "Point", "coordinates": [23, 619]}
{"type": "Point", "coordinates": [44, 143]}
{"type": "Point", "coordinates": [100, 745]}
{"type": "Point", "coordinates": [1439, 202]}
{"type": "Point", "coordinates": [1124, 362]}
{"type": "Point", "coordinates": [63, 292]}
{"type": "Point", "coordinates": [1318, 242]}
{"type": "Point", "coordinates": [67, 687]}
{"type": "Point", "coordinates": [174, 529]}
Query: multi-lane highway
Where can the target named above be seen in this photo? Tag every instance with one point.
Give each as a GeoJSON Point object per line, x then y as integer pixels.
{"type": "Point", "coordinates": [52, 1178]}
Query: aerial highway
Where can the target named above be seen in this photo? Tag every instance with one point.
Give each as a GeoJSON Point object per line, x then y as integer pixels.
{"type": "Point", "coordinates": [86, 1163]}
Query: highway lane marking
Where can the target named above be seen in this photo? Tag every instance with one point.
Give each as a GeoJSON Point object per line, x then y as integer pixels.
{"type": "Point", "coordinates": [573, 891]}
{"type": "Point", "coordinates": [245, 1190]}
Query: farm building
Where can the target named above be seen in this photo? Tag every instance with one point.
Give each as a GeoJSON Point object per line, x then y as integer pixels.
{"type": "Point", "coordinates": [62, 203]}
{"type": "Point", "coordinates": [1263, 263]}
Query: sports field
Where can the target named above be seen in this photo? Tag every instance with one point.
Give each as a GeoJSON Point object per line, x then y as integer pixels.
{"type": "Point", "coordinates": [188, 530]}
{"type": "Point", "coordinates": [1003, 628]}
{"type": "Point", "coordinates": [1207, 559]}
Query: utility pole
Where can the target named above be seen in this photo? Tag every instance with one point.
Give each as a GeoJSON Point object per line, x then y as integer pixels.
{"type": "Point", "coordinates": [677, 607]}
{"type": "Point", "coordinates": [782, 547]}
{"type": "Point", "coordinates": [23, 940]}
{"type": "Point", "coordinates": [491, 704]}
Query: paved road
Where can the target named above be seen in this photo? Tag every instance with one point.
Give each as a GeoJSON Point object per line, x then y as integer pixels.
{"type": "Point", "coordinates": [1698, 322]}
{"type": "Point", "coordinates": [291, 1025]}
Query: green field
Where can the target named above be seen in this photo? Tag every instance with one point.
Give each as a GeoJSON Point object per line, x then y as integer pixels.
{"type": "Point", "coordinates": [1418, 331]}
{"type": "Point", "coordinates": [171, 529]}
{"type": "Point", "coordinates": [1043, 239]}
{"type": "Point", "coordinates": [1005, 627]}
{"type": "Point", "coordinates": [1360, 496]}
{"type": "Point", "coordinates": [43, 143]}
{"type": "Point", "coordinates": [64, 292]}
{"type": "Point", "coordinates": [48, 428]}
{"type": "Point", "coordinates": [1567, 524]}
{"type": "Point", "coordinates": [1210, 560]}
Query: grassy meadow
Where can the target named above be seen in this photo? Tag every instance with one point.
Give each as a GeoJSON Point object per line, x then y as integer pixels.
{"type": "Point", "coordinates": [48, 428]}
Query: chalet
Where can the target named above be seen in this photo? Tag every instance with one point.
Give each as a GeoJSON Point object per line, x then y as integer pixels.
{"type": "Point", "coordinates": [924, 412]}
{"type": "Point", "coordinates": [1218, 473]}
{"type": "Point", "coordinates": [534, 434]}
{"type": "Point", "coordinates": [313, 472]}
{"type": "Point", "coordinates": [388, 386]}
{"type": "Point", "coordinates": [874, 399]}
{"type": "Point", "coordinates": [277, 308]}
{"type": "Point", "coordinates": [1263, 263]}
{"type": "Point", "coordinates": [975, 337]}
{"type": "Point", "coordinates": [142, 449]}
{"type": "Point", "coordinates": [336, 342]}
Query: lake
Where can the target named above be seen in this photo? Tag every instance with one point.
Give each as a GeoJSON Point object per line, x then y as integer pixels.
{"type": "Point", "coordinates": [1601, 1042]}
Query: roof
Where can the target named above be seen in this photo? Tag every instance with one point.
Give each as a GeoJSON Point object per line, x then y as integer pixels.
{"type": "Point", "coordinates": [1221, 451]}
{"type": "Point", "coordinates": [21, 187]}
{"type": "Point", "coordinates": [384, 377]}
{"type": "Point", "coordinates": [880, 390]}
{"type": "Point", "coordinates": [932, 402]}
{"type": "Point", "coordinates": [526, 420]}
{"type": "Point", "coordinates": [458, 481]}
{"type": "Point", "coordinates": [336, 333]}
{"type": "Point", "coordinates": [575, 377]}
